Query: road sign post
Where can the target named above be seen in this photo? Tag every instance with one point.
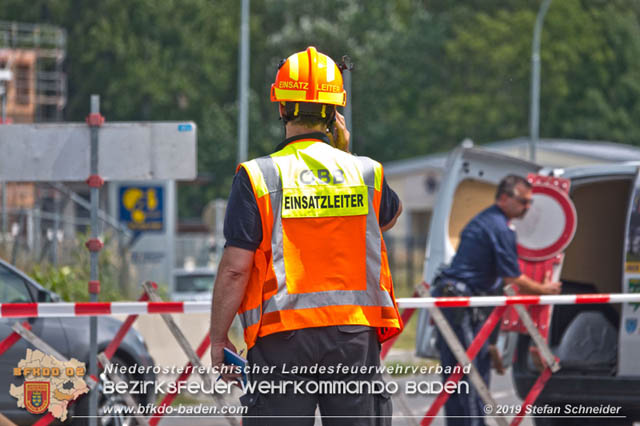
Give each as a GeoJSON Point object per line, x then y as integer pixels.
{"type": "Point", "coordinates": [117, 151]}
{"type": "Point", "coordinates": [94, 120]}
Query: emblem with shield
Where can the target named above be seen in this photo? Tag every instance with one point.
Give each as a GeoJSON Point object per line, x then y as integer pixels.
{"type": "Point", "coordinates": [36, 396]}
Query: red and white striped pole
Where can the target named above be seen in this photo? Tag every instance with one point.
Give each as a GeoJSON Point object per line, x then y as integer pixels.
{"type": "Point", "coordinates": [59, 310]}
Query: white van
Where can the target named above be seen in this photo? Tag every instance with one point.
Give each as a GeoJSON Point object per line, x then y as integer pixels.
{"type": "Point", "coordinates": [598, 345]}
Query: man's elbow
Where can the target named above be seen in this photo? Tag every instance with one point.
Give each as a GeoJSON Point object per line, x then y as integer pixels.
{"type": "Point", "coordinates": [236, 264]}
{"type": "Point", "coordinates": [235, 270]}
{"type": "Point", "coordinates": [235, 273]}
{"type": "Point", "coordinates": [393, 221]}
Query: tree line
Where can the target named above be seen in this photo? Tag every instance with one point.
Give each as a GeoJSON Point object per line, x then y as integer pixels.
{"type": "Point", "coordinates": [427, 73]}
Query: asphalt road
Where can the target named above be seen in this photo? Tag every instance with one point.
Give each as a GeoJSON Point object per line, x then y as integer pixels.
{"type": "Point", "coordinates": [410, 413]}
{"type": "Point", "coordinates": [406, 413]}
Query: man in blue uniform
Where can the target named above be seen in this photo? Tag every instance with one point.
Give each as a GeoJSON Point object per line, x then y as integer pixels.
{"type": "Point", "coordinates": [486, 258]}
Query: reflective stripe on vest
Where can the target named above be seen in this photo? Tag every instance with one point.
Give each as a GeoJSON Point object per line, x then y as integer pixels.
{"type": "Point", "coordinates": [250, 317]}
{"type": "Point", "coordinates": [349, 189]}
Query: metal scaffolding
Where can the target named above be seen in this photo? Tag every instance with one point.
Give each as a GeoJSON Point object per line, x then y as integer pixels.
{"type": "Point", "coordinates": [37, 94]}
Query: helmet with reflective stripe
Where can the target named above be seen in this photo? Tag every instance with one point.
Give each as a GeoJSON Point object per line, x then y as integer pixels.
{"type": "Point", "coordinates": [309, 76]}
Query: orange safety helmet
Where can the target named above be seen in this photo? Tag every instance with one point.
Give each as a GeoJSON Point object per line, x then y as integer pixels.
{"type": "Point", "coordinates": [309, 76]}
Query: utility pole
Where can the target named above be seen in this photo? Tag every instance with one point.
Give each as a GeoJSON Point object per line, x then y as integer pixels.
{"type": "Point", "coordinates": [243, 85]}
{"type": "Point", "coordinates": [5, 75]}
{"type": "Point", "coordinates": [534, 116]}
{"type": "Point", "coordinates": [93, 260]}
{"type": "Point", "coordinates": [347, 109]}
{"type": "Point", "coordinates": [3, 93]}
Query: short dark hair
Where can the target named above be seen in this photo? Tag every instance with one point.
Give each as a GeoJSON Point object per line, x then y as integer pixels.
{"type": "Point", "coordinates": [308, 121]}
{"type": "Point", "coordinates": [309, 114]}
{"type": "Point", "coordinates": [508, 184]}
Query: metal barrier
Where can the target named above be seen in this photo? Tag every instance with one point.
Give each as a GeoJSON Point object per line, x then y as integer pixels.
{"type": "Point", "coordinates": [22, 331]}
{"type": "Point", "coordinates": [149, 304]}
{"type": "Point", "coordinates": [502, 304]}
{"type": "Point", "coordinates": [193, 356]}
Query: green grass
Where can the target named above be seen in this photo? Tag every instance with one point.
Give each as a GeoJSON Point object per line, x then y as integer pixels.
{"type": "Point", "coordinates": [407, 339]}
{"type": "Point", "coordinates": [425, 362]}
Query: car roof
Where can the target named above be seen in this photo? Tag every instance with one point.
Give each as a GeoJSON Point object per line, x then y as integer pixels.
{"type": "Point", "coordinates": [194, 271]}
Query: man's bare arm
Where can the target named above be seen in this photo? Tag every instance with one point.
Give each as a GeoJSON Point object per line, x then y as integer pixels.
{"type": "Point", "coordinates": [530, 286]}
{"type": "Point", "coordinates": [228, 292]}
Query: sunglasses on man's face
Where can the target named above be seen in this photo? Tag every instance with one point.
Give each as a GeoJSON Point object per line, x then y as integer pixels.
{"type": "Point", "coordinates": [522, 200]}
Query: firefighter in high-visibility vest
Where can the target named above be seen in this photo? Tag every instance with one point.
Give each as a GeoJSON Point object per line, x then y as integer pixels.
{"type": "Point", "coordinates": [305, 265]}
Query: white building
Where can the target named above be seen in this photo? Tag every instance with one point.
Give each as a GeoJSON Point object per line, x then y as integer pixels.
{"type": "Point", "coordinates": [416, 182]}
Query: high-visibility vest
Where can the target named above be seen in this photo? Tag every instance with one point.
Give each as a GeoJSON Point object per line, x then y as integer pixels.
{"type": "Point", "coordinates": [322, 260]}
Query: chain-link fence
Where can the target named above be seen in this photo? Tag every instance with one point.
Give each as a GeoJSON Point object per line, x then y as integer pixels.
{"type": "Point", "coordinates": [406, 260]}
{"type": "Point", "coordinates": [46, 236]}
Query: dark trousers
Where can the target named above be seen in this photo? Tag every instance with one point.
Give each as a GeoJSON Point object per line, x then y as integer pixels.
{"type": "Point", "coordinates": [465, 409]}
{"type": "Point", "coordinates": [323, 346]}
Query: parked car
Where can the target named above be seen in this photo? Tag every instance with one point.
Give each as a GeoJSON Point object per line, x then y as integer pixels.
{"type": "Point", "coordinates": [68, 336]}
{"type": "Point", "coordinates": [193, 284]}
{"type": "Point", "coordinates": [598, 345]}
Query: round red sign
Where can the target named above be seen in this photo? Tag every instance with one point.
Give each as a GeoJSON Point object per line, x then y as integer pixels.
{"type": "Point", "coordinates": [549, 225]}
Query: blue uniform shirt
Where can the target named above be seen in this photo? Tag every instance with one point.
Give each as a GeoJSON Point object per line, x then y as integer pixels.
{"type": "Point", "coordinates": [487, 252]}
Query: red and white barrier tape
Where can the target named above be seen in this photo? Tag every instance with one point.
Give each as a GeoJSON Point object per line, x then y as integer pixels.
{"type": "Point", "coordinates": [561, 299]}
{"type": "Point", "coordinates": [57, 310]}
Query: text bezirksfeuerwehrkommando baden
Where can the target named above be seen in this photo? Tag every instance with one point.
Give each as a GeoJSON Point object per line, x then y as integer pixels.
{"type": "Point", "coordinates": [308, 387]}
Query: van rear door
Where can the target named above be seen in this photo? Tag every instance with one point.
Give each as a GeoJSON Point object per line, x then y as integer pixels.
{"type": "Point", "coordinates": [605, 254]}
{"type": "Point", "coordinates": [468, 186]}
{"type": "Point", "coordinates": [629, 343]}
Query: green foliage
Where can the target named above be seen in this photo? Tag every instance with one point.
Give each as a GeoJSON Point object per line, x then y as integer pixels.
{"type": "Point", "coordinates": [428, 74]}
{"type": "Point", "coordinates": [70, 281]}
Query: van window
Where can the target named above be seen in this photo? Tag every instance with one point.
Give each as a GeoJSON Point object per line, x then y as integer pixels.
{"type": "Point", "coordinates": [471, 197]}
{"type": "Point", "coordinates": [12, 287]}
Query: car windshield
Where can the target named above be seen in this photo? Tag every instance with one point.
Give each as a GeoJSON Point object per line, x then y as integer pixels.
{"type": "Point", "coordinates": [194, 283]}
{"type": "Point", "coordinates": [12, 287]}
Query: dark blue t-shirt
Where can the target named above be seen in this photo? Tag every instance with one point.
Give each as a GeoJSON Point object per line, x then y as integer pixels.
{"type": "Point", "coordinates": [487, 252]}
